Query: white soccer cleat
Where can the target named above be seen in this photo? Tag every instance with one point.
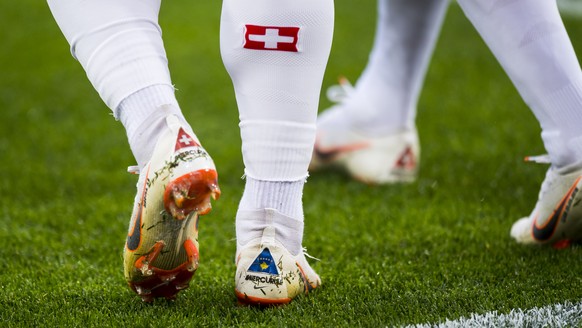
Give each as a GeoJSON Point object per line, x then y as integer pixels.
{"type": "Point", "coordinates": [174, 188]}
{"type": "Point", "coordinates": [557, 217]}
{"type": "Point", "coordinates": [268, 274]}
{"type": "Point", "coordinates": [392, 158]}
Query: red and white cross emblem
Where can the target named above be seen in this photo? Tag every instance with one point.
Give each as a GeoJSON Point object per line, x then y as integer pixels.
{"type": "Point", "coordinates": [271, 38]}
{"type": "Point", "coordinates": [406, 160]}
{"type": "Point", "coordinates": [185, 140]}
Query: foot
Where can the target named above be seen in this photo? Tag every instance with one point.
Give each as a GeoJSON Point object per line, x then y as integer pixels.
{"type": "Point", "coordinates": [268, 274]}
{"type": "Point", "coordinates": [174, 188]}
{"type": "Point", "coordinates": [557, 217]}
{"type": "Point", "coordinates": [392, 158]}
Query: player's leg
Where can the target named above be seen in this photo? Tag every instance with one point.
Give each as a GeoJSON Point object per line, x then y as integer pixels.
{"type": "Point", "coordinates": [372, 131]}
{"type": "Point", "coordinates": [119, 45]}
{"type": "Point", "coordinates": [275, 53]}
{"type": "Point", "coordinates": [530, 41]}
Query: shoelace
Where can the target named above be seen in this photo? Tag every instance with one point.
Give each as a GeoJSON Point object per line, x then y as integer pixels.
{"type": "Point", "coordinates": [341, 91]}
{"type": "Point", "coordinates": [542, 159]}
{"type": "Point", "coordinates": [134, 169]}
{"type": "Point", "coordinates": [307, 255]}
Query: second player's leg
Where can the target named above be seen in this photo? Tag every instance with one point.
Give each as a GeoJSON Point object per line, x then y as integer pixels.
{"type": "Point", "coordinates": [372, 131]}
{"type": "Point", "coordinates": [530, 41]}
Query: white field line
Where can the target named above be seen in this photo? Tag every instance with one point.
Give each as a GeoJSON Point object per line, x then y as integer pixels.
{"type": "Point", "coordinates": [559, 315]}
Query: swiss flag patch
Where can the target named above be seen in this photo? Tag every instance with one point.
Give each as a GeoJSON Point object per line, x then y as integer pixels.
{"type": "Point", "coordinates": [271, 38]}
{"type": "Point", "coordinates": [184, 140]}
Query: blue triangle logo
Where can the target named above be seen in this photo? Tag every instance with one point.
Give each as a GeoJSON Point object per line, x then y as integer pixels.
{"type": "Point", "coordinates": [264, 263]}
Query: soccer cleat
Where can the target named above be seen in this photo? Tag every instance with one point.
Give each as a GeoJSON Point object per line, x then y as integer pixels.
{"type": "Point", "coordinates": [376, 160]}
{"type": "Point", "coordinates": [268, 274]}
{"type": "Point", "coordinates": [174, 188]}
{"type": "Point", "coordinates": [384, 160]}
{"type": "Point", "coordinates": [557, 217]}
{"type": "Point", "coordinates": [392, 158]}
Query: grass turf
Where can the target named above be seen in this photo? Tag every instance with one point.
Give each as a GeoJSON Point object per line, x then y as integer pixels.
{"type": "Point", "coordinates": [438, 248]}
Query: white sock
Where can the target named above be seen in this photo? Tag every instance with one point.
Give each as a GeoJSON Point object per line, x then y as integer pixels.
{"type": "Point", "coordinates": [119, 44]}
{"type": "Point", "coordinates": [250, 225]}
{"type": "Point", "coordinates": [284, 196]}
{"type": "Point", "coordinates": [267, 203]}
{"type": "Point", "coordinates": [277, 91]}
{"type": "Point", "coordinates": [276, 53]}
{"type": "Point", "coordinates": [530, 41]}
{"type": "Point", "coordinates": [143, 114]}
{"type": "Point", "coordinates": [386, 95]}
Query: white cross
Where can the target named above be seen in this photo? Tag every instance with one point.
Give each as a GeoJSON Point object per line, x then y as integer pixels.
{"type": "Point", "coordinates": [271, 38]}
{"type": "Point", "coordinates": [185, 140]}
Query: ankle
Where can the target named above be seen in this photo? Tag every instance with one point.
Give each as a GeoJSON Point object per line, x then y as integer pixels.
{"type": "Point", "coordinates": [251, 225]}
{"type": "Point", "coordinates": [283, 196]}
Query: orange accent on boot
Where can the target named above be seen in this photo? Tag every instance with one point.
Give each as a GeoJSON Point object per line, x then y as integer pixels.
{"type": "Point", "coordinates": [561, 244]}
{"type": "Point", "coordinates": [165, 283]}
{"type": "Point", "coordinates": [244, 299]}
{"type": "Point", "coordinates": [191, 192]}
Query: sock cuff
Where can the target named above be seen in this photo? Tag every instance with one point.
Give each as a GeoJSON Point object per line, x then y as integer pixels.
{"type": "Point", "coordinates": [561, 123]}
{"type": "Point", "coordinates": [140, 106]}
{"type": "Point", "coordinates": [277, 150]}
{"type": "Point", "coordinates": [284, 196]}
{"type": "Point", "coordinates": [563, 106]}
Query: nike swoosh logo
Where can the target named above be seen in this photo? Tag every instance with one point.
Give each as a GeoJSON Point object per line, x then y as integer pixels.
{"type": "Point", "coordinates": [259, 287]}
{"type": "Point", "coordinates": [134, 238]}
{"type": "Point", "coordinates": [328, 153]}
{"type": "Point", "coordinates": [546, 231]}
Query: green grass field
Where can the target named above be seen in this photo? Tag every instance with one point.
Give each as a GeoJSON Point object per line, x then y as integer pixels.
{"type": "Point", "coordinates": [392, 255]}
